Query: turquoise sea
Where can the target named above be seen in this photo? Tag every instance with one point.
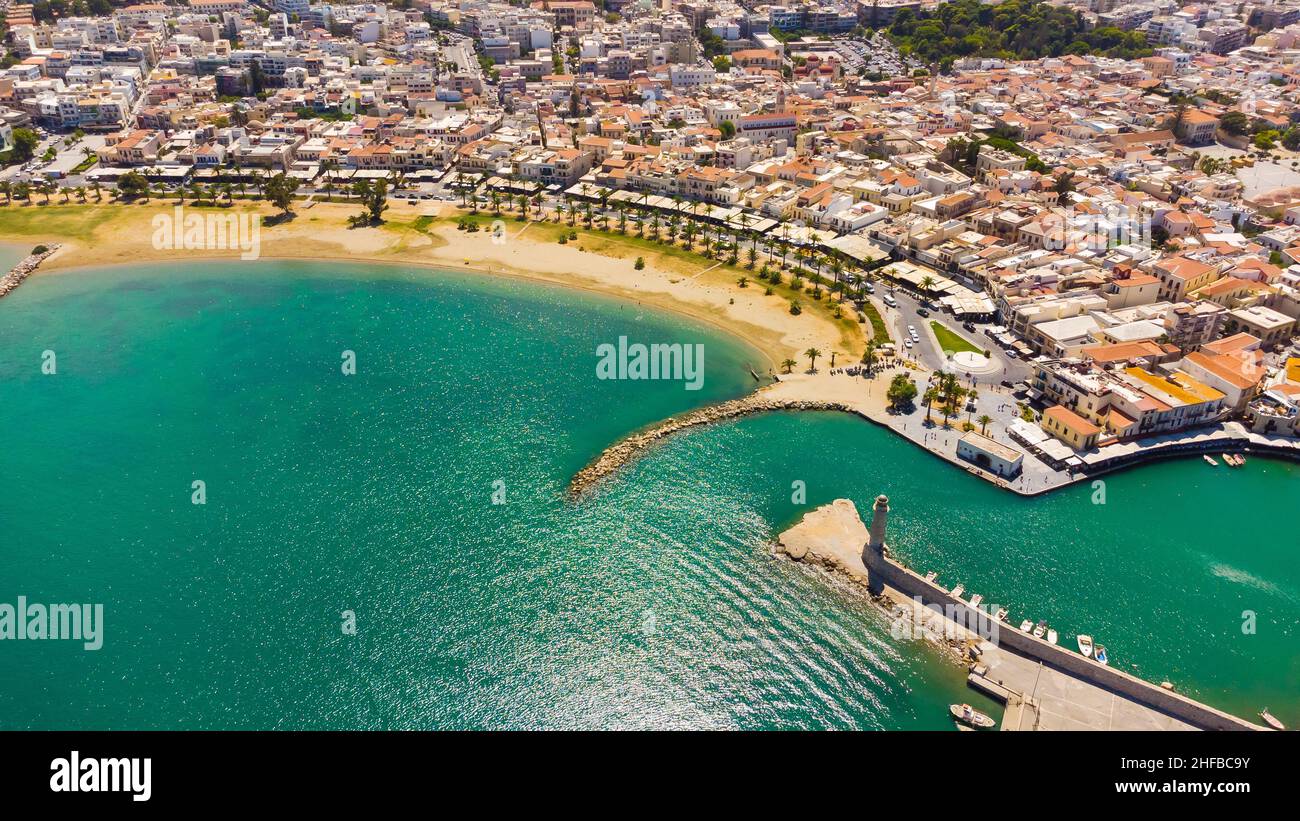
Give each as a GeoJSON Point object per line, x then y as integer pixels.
{"type": "Point", "coordinates": [655, 603]}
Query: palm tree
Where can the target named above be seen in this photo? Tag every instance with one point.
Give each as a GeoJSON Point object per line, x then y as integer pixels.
{"type": "Point", "coordinates": [496, 202]}
{"type": "Point", "coordinates": [788, 364]}
{"type": "Point", "coordinates": [812, 354]}
{"type": "Point", "coordinates": [869, 356]}
{"type": "Point", "coordinates": [931, 394]}
{"type": "Point", "coordinates": [974, 396]}
{"type": "Point", "coordinates": [7, 188]}
{"type": "Point", "coordinates": [984, 422]}
{"type": "Point", "coordinates": [99, 191]}
{"type": "Point", "coordinates": [927, 283]}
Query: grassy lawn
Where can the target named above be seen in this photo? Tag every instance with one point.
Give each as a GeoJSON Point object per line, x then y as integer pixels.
{"type": "Point", "coordinates": [879, 331]}
{"type": "Point", "coordinates": [950, 341]}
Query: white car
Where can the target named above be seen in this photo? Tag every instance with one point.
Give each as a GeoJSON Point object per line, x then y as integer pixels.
{"type": "Point", "coordinates": [907, 342]}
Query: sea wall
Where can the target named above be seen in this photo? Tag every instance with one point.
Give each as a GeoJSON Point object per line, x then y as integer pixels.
{"type": "Point", "coordinates": [633, 446]}
{"type": "Point", "coordinates": [19, 272]}
{"type": "Point", "coordinates": [885, 571]}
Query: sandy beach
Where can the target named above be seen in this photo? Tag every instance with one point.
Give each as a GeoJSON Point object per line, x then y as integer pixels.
{"type": "Point", "coordinates": [426, 234]}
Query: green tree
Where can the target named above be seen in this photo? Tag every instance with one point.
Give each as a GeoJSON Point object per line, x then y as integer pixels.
{"type": "Point", "coordinates": [25, 142]}
{"type": "Point", "coordinates": [280, 190]}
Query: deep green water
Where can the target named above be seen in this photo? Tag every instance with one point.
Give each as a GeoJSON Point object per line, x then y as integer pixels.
{"type": "Point", "coordinates": [656, 603]}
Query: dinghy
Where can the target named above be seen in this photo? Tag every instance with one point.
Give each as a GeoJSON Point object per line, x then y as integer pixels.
{"type": "Point", "coordinates": [1085, 646]}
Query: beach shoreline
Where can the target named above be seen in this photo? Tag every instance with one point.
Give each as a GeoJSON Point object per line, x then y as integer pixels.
{"type": "Point", "coordinates": [110, 235]}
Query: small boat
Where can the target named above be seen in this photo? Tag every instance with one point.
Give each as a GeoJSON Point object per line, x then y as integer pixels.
{"type": "Point", "coordinates": [958, 590]}
{"type": "Point", "coordinates": [1210, 459]}
{"type": "Point", "coordinates": [1002, 614]}
{"type": "Point", "coordinates": [1085, 646]}
{"type": "Point", "coordinates": [1270, 720]}
{"type": "Point", "coordinates": [1040, 629]}
{"type": "Point", "coordinates": [971, 717]}
{"type": "Point", "coordinates": [1026, 625]}
{"type": "Point", "coordinates": [1241, 458]}
{"type": "Point", "coordinates": [975, 600]}
{"type": "Point", "coordinates": [929, 577]}
{"type": "Point", "coordinates": [1101, 655]}
{"type": "Point", "coordinates": [1051, 635]}
{"type": "Point", "coordinates": [1231, 460]}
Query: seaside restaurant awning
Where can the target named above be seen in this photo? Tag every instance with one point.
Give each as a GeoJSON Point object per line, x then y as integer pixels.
{"type": "Point", "coordinates": [858, 247]}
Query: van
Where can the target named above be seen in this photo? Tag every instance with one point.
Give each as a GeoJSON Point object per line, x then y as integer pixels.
{"type": "Point", "coordinates": [889, 300]}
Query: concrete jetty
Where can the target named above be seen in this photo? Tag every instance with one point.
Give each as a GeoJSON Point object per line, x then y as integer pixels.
{"type": "Point", "coordinates": [1045, 686]}
{"type": "Point", "coordinates": [22, 270]}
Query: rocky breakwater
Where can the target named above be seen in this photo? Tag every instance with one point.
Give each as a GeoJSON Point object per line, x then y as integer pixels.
{"type": "Point", "coordinates": [623, 452]}
{"type": "Point", "coordinates": [23, 269]}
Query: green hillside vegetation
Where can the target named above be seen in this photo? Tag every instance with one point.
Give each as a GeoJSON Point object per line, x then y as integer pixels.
{"type": "Point", "coordinates": [1014, 30]}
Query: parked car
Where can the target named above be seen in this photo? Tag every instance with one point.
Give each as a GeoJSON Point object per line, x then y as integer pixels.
{"type": "Point", "coordinates": [922, 312]}
{"type": "Point", "coordinates": [969, 326]}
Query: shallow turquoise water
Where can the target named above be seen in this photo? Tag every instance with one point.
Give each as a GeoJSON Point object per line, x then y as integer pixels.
{"type": "Point", "coordinates": [656, 603]}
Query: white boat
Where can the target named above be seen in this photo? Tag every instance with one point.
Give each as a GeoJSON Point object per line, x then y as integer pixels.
{"type": "Point", "coordinates": [1026, 625]}
{"type": "Point", "coordinates": [1040, 629]}
{"type": "Point", "coordinates": [1230, 459]}
{"type": "Point", "coordinates": [975, 600]}
{"type": "Point", "coordinates": [1002, 614]}
{"type": "Point", "coordinates": [971, 717]}
{"type": "Point", "coordinates": [929, 577]}
{"type": "Point", "coordinates": [1051, 635]}
{"type": "Point", "coordinates": [1270, 720]}
{"type": "Point", "coordinates": [1210, 459]}
{"type": "Point", "coordinates": [958, 590]}
{"type": "Point", "coordinates": [1241, 458]}
{"type": "Point", "coordinates": [1100, 655]}
{"type": "Point", "coordinates": [1085, 646]}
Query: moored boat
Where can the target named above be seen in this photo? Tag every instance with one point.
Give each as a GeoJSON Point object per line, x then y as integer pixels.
{"type": "Point", "coordinates": [1100, 655]}
{"type": "Point", "coordinates": [1085, 645]}
{"type": "Point", "coordinates": [971, 717]}
{"type": "Point", "coordinates": [1271, 720]}
{"type": "Point", "coordinates": [975, 600]}
{"type": "Point", "coordinates": [1210, 459]}
{"type": "Point", "coordinates": [1002, 614]}
{"type": "Point", "coordinates": [1051, 635]}
{"type": "Point", "coordinates": [958, 590]}
{"type": "Point", "coordinates": [1040, 629]}
{"type": "Point", "coordinates": [1026, 625]}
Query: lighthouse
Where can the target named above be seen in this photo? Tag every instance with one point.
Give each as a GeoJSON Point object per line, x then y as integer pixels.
{"type": "Point", "coordinates": [879, 522]}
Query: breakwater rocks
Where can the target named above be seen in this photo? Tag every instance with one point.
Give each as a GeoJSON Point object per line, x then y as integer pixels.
{"type": "Point", "coordinates": [623, 452]}
{"type": "Point", "coordinates": [19, 272]}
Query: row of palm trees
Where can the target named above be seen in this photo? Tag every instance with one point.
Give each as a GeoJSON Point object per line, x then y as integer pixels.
{"type": "Point", "coordinates": [24, 191]}
{"type": "Point", "coordinates": [684, 227]}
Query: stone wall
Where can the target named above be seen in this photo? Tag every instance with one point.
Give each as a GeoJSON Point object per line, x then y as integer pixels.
{"type": "Point", "coordinates": [888, 572]}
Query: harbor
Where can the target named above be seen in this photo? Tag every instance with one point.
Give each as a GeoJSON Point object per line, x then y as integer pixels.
{"type": "Point", "coordinates": [1044, 686]}
{"type": "Point", "coordinates": [1039, 470]}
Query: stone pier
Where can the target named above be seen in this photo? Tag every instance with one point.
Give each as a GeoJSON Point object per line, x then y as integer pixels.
{"type": "Point", "coordinates": [1050, 687]}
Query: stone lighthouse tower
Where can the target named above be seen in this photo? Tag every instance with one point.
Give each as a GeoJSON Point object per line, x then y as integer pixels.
{"type": "Point", "coordinates": [874, 556]}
